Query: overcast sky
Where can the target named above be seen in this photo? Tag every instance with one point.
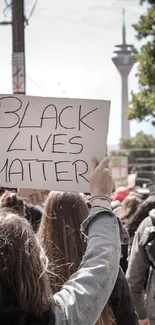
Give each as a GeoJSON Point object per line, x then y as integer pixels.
{"type": "Point", "coordinates": [69, 45]}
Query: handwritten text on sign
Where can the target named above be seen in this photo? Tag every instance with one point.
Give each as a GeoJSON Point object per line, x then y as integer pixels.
{"type": "Point", "coordinates": [48, 143]}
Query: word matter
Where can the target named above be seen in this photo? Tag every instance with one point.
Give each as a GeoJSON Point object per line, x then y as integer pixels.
{"type": "Point", "coordinates": [64, 171]}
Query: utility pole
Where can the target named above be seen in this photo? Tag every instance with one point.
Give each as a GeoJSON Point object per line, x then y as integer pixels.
{"type": "Point", "coordinates": [18, 46]}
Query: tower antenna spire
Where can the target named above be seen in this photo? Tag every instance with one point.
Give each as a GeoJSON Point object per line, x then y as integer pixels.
{"type": "Point", "coordinates": [123, 27]}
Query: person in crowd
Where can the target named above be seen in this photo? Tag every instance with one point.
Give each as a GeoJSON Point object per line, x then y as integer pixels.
{"type": "Point", "coordinates": [131, 226]}
{"type": "Point", "coordinates": [129, 207]}
{"type": "Point", "coordinates": [120, 194]}
{"type": "Point", "coordinates": [128, 210]}
{"type": "Point", "coordinates": [12, 201]}
{"type": "Point", "coordinates": [141, 269]}
{"type": "Point", "coordinates": [61, 239]}
{"type": "Point", "coordinates": [25, 294]}
{"type": "Point", "coordinates": [59, 232]}
{"type": "Point", "coordinates": [143, 211]}
{"type": "Point", "coordinates": [3, 189]}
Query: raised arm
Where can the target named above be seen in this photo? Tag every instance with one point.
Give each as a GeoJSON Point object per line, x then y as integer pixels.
{"type": "Point", "coordinates": [85, 294]}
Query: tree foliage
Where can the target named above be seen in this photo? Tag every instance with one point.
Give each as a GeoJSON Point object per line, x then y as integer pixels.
{"type": "Point", "coordinates": [140, 141]}
{"type": "Point", "coordinates": [129, 146]}
{"type": "Point", "coordinates": [142, 104]}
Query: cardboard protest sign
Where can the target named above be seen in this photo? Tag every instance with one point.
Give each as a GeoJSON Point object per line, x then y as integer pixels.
{"type": "Point", "coordinates": [132, 180]}
{"type": "Point", "coordinates": [33, 196]}
{"type": "Point", "coordinates": [119, 167]}
{"type": "Point", "coordinates": [48, 143]}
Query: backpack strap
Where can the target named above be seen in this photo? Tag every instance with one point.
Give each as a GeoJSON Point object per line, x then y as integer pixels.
{"type": "Point", "coordinates": [150, 245]}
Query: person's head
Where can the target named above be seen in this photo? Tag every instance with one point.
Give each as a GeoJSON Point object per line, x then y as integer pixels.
{"type": "Point", "coordinates": [142, 212]}
{"type": "Point", "coordinates": [60, 236]}
{"type": "Point", "coordinates": [129, 207]}
{"type": "Point", "coordinates": [23, 266]}
{"type": "Point", "coordinates": [12, 201]}
{"type": "Point", "coordinates": [120, 194]}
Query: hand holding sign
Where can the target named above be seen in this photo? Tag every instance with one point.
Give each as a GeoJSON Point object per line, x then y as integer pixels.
{"type": "Point", "coordinates": [100, 181]}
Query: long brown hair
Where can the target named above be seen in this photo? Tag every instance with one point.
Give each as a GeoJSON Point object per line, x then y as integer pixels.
{"type": "Point", "coordinates": [60, 236]}
{"type": "Point", "coordinates": [23, 266]}
{"type": "Point", "coordinates": [129, 207]}
{"type": "Point", "coordinates": [143, 212]}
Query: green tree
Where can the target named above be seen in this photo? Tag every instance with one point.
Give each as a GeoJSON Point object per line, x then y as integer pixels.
{"type": "Point", "coordinates": [142, 104]}
{"type": "Point", "coordinates": [140, 141]}
{"type": "Point", "coordinates": [135, 148]}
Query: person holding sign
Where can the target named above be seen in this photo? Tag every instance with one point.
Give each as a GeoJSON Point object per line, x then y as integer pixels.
{"type": "Point", "coordinates": [25, 294]}
{"type": "Point", "coordinates": [60, 236]}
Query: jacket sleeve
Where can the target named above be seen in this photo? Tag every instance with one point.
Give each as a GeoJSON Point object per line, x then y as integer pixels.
{"type": "Point", "coordinates": [85, 294]}
{"type": "Point", "coordinates": [137, 272]}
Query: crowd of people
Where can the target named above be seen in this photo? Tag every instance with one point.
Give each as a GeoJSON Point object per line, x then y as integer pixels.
{"type": "Point", "coordinates": [78, 259]}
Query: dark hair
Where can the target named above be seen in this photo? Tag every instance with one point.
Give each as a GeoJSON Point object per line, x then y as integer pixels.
{"type": "Point", "coordinates": [129, 207]}
{"type": "Point", "coordinates": [23, 267]}
{"type": "Point", "coordinates": [143, 211]}
{"type": "Point", "coordinates": [12, 201]}
{"type": "Point", "coordinates": [33, 214]}
{"type": "Point", "coordinates": [60, 236]}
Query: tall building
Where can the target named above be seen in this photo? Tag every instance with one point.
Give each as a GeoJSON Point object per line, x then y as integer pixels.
{"type": "Point", "coordinates": [124, 61]}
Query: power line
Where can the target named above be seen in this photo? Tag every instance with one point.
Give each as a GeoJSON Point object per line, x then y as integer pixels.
{"type": "Point", "coordinates": [3, 23]}
{"type": "Point", "coordinates": [7, 4]}
{"type": "Point", "coordinates": [32, 11]}
{"type": "Point", "coordinates": [33, 81]}
{"type": "Point", "coordinates": [7, 7]}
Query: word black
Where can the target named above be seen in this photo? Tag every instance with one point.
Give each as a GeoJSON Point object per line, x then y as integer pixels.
{"type": "Point", "coordinates": [19, 112]}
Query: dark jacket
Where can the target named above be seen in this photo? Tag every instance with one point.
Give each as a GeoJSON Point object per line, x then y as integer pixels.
{"type": "Point", "coordinates": [126, 250]}
{"type": "Point", "coordinates": [15, 316]}
{"type": "Point", "coordinates": [139, 272]}
{"type": "Point", "coordinates": [12, 314]}
{"type": "Point", "coordinates": [33, 214]}
{"type": "Point", "coordinates": [124, 258]}
{"type": "Point", "coordinates": [121, 302]}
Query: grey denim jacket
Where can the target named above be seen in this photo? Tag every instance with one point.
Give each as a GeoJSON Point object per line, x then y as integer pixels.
{"type": "Point", "coordinates": [84, 296]}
